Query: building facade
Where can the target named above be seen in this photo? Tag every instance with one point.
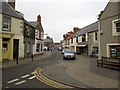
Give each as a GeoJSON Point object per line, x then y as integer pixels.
{"type": "Point", "coordinates": [29, 39]}
{"type": "Point", "coordinates": [109, 28]}
{"type": "Point", "coordinates": [39, 36]}
{"type": "Point", "coordinates": [12, 33]}
{"type": "Point", "coordinates": [93, 39]}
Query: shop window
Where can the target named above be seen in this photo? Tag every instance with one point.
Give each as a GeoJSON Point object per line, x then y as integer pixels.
{"type": "Point", "coordinates": [6, 23]}
{"type": "Point", "coordinates": [96, 49]}
{"type": "Point", "coordinates": [115, 51]}
{"type": "Point", "coordinates": [5, 46]}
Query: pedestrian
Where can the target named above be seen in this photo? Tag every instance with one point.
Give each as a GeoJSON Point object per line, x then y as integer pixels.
{"type": "Point", "coordinates": [93, 53]}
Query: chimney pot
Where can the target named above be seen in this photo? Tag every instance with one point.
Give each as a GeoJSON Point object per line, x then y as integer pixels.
{"type": "Point", "coordinates": [12, 3]}
{"type": "Point", "coordinates": [38, 18]}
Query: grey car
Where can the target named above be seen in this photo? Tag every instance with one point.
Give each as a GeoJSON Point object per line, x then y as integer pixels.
{"type": "Point", "coordinates": [63, 51]}
{"type": "Point", "coordinates": [69, 54]}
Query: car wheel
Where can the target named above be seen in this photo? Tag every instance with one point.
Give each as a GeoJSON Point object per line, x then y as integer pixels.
{"type": "Point", "coordinates": [74, 58]}
{"type": "Point", "coordinates": [63, 58]}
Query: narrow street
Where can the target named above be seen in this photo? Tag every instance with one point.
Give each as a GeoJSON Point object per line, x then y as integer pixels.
{"type": "Point", "coordinates": [22, 75]}
{"type": "Point", "coordinates": [28, 75]}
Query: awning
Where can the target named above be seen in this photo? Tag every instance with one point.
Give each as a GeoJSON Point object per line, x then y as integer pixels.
{"type": "Point", "coordinates": [81, 45]}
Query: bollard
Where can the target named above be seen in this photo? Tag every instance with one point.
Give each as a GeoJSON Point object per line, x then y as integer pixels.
{"type": "Point", "coordinates": [32, 57]}
{"type": "Point", "coordinates": [17, 60]}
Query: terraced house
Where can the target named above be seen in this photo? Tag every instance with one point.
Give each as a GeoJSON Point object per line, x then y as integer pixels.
{"type": "Point", "coordinates": [11, 26]}
{"type": "Point", "coordinates": [39, 36]}
{"type": "Point", "coordinates": [29, 39]}
{"type": "Point", "coordinates": [109, 28]}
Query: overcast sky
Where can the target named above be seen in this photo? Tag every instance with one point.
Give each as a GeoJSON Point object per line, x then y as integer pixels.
{"type": "Point", "coordinates": [60, 16]}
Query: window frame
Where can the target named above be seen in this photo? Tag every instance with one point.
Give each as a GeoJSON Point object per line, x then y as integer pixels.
{"type": "Point", "coordinates": [114, 33]}
{"type": "Point", "coordinates": [5, 29]}
{"type": "Point", "coordinates": [116, 27]}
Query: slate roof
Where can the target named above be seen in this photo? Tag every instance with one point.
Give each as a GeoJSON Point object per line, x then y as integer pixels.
{"type": "Point", "coordinates": [28, 23]}
{"type": "Point", "coordinates": [8, 10]}
{"type": "Point", "coordinates": [87, 29]}
{"type": "Point", "coordinates": [33, 23]}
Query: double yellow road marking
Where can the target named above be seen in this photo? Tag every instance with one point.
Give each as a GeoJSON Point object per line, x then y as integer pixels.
{"type": "Point", "coordinates": [44, 80]}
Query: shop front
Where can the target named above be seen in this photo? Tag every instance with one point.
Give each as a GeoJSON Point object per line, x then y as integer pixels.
{"type": "Point", "coordinates": [114, 51]}
{"type": "Point", "coordinates": [82, 48]}
{"type": "Point", "coordinates": [7, 47]}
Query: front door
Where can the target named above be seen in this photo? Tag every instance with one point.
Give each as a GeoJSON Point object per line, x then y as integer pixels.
{"type": "Point", "coordinates": [16, 49]}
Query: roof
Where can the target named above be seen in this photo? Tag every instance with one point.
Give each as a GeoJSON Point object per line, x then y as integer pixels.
{"type": "Point", "coordinates": [33, 23]}
{"type": "Point", "coordinates": [8, 10]}
{"type": "Point", "coordinates": [70, 36]}
{"type": "Point", "coordinates": [87, 29]}
{"type": "Point", "coordinates": [26, 22]}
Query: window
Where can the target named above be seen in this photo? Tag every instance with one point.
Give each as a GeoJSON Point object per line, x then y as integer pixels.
{"type": "Point", "coordinates": [115, 51]}
{"type": "Point", "coordinates": [37, 35]}
{"type": "Point", "coordinates": [27, 30]}
{"type": "Point", "coordinates": [96, 49]}
{"type": "Point", "coordinates": [5, 46]}
{"type": "Point", "coordinates": [83, 38]}
{"type": "Point", "coordinates": [28, 47]}
{"type": "Point", "coordinates": [37, 47]}
{"type": "Point", "coordinates": [68, 42]}
{"type": "Point", "coordinates": [117, 27]}
{"type": "Point", "coordinates": [71, 40]}
{"type": "Point", "coordinates": [95, 36]}
{"type": "Point", "coordinates": [6, 23]}
{"type": "Point", "coordinates": [76, 39]}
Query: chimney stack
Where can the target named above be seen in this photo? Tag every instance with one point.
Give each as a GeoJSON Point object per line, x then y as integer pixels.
{"type": "Point", "coordinates": [38, 18]}
{"type": "Point", "coordinates": [11, 3]}
{"type": "Point", "coordinates": [75, 29]}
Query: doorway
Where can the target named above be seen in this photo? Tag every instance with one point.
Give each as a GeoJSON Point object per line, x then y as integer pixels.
{"type": "Point", "coordinates": [16, 49]}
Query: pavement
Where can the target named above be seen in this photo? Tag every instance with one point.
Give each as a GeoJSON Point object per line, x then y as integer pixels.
{"type": "Point", "coordinates": [83, 72]}
{"type": "Point", "coordinates": [6, 64]}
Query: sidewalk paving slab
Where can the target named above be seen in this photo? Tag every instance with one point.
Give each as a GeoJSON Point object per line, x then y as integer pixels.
{"type": "Point", "coordinates": [6, 64]}
{"type": "Point", "coordinates": [84, 72]}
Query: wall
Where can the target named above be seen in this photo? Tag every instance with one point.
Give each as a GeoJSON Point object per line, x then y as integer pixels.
{"type": "Point", "coordinates": [105, 25]}
{"type": "Point", "coordinates": [0, 37]}
{"type": "Point", "coordinates": [17, 29]}
{"type": "Point", "coordinates": [92, 42]}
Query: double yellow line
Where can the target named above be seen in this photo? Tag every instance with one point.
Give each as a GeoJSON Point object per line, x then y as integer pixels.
{"type": "Point", "coordinates": [45, 81]}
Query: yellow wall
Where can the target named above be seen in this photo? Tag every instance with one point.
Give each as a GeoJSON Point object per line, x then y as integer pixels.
{"type": "Point", "coordinates": [10, 46]}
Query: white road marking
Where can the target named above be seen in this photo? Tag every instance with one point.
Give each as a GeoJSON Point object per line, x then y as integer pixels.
{"type": "Point", "coordinates": [12, 80]}
{"type": "Point", "coordinates": [32, 73]}
{"type": "Point", "coordinates": [31, 77]}
{"type": "Point", "coordinates": [25, 76]}
{"type": "Point", "coordinates": [20, 82]}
